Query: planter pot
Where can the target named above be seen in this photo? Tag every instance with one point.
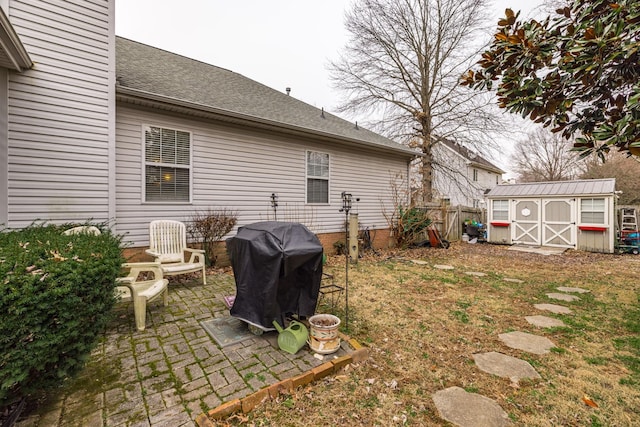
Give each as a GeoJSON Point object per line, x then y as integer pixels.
{"type": "Point", "coordinates": [323, 336]}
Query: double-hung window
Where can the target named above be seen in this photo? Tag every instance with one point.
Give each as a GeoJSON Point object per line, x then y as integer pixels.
{"type": "Point", "coordinates": [167, 165]}
{"type": "Point", "coordinates": [317, 177]}
{"type": "Point", "coordinates": [500, 210]}
{"type": "Point", "coordinates": [592, 211]}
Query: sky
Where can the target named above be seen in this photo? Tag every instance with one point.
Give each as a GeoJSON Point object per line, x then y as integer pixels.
{"type": "Point", "coordinates": [280, 43]}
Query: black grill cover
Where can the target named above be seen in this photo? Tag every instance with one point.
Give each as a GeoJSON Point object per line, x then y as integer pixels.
{"type": "Point", "coordinates": [278, 269]}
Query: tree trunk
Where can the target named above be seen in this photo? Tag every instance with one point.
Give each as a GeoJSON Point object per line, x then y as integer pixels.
{"type": "Point", "coordinates": [427, 174]}
{"type": "Point", "coordinates": [427, 160]}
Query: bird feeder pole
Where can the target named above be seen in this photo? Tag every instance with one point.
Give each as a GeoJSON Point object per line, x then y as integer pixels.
{"type": "Point", "coordinates": [274, 205]}
{"type": "Point", "coordinates": [346, 207]}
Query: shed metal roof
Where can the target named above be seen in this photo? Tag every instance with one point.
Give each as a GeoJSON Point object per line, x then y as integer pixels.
{"type": "Point", "coordinates": [582, 187]}
{"type": "Point", "coordinates": [153, 74]}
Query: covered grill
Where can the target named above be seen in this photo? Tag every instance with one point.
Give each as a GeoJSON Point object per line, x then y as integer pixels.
{"type": "Point", "coordinates": [278, 269]}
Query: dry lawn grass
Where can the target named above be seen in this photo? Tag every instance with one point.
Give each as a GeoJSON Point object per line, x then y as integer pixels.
{"type": "Point", "coordinates": [422, 326]}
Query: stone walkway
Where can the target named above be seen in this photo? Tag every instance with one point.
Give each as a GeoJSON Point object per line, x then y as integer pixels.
{"type": "Point", "coordinates": [173, 372]}
{"type": "Point", "coordinates": [465, 409]}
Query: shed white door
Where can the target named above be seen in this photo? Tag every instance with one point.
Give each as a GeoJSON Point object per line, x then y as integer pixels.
{"type": "Point", "coordinates": [526, 224]}
{"type": "Point", "coordinates": [558, 223]}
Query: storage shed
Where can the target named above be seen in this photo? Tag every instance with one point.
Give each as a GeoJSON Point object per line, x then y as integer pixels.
{"type": "Point", "coordinates": [569, 214]}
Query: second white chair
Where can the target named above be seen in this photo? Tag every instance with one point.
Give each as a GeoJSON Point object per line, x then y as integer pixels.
{"type": "Point", "coordinates": [139, 288]}
{"type": "Point", "coordinates": [168, 244]}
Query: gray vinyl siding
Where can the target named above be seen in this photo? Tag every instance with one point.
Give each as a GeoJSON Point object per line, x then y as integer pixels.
{"type": "Point", "coordinates": [499, 234]}
{"type": "Point", "coordinates": [238, 169]}
{"type": "Point", "coordinates": [61, 113]}
{"type": "Point", "coordinates": [596, 241]}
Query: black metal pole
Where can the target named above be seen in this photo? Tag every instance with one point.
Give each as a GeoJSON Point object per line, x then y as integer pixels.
{"type": "Point", "coordinates": [274, 205]}
{"type": "Point", "coordinates": [346, 270]}
{"type": "Point", "coordinates": [346, 207]}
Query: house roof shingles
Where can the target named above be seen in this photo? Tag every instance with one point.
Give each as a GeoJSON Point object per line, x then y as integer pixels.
{"type": "Point", "coordinates": [146, 71]}
{"type": "Point", "coordinates": [582, 187]}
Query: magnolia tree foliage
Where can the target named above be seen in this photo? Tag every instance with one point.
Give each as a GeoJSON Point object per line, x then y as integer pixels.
{"type": "Point", "coordinates": [578, 73]}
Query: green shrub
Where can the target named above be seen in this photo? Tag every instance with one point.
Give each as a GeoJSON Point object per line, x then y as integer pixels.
{"type": "Point", "coordinates": [56, 297]}
{"type": "Point", "coordinates": [410, 224]}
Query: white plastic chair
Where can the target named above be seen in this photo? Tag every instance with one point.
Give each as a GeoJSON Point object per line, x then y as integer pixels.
{"type": "Point", "coordinates": [168, 243]}
{"type": "Point", "coordinates": [137, 287]}
{"type": "Point", "coordinates": [129, 288]}
{"type": "Point", "coordinates": [82, 229]}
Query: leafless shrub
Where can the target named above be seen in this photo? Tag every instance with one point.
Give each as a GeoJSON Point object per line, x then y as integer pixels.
{"type": "Point", "coordinates": [209, 227]}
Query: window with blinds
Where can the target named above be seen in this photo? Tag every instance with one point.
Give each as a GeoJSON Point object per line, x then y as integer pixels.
{"type": "Point", "coordinates": [167, 165]}
{"type": "Point", "coordinates": [317, 177]}
{"type": "Point", "coordinates": [592, 211]}
{"type": "Point", "coordinates": [501, 210]}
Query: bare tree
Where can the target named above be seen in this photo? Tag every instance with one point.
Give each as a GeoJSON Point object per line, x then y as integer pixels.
{"type": "Point", "coordinates": [545, 156]}
{"type": "Point", "coordinates": [623, 168]}
{"type": "Point", "coordinates": [403, 65]}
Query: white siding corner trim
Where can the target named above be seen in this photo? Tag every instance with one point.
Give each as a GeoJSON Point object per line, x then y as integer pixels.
{"type": "Point", "coordinates": [3, 147]}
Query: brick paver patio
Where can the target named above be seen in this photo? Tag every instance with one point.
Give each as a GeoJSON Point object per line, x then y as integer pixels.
{"type": "Point", "coordinates": [173, 371]}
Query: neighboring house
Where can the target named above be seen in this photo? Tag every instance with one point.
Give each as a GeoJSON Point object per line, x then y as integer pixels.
{"type": "Point", "coordinates": [104, 128]}
{"type": "Point", "coordinates": [462, 176]}
{"type": "Point", "coordinates": [567, 214]}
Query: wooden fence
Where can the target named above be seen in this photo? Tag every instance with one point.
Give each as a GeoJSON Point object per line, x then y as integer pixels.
{"type": "Point", "coordinates": [449, 220]}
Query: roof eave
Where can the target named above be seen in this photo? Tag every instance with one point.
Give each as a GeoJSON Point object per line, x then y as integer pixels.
{"type": "Point", "coordinates": [471, 162]}
{"type": "Point", "coordinates": [11, 46]}
{"type": "Point", "coordinates": [487, 167]}
{"type": "Point", "coordinates": [126, 94]}
{"type": "Point", "coordinates": [546, 196]}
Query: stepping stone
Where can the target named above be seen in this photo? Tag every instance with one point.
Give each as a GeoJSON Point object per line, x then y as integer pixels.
{"type": "Point", "coordinates": [443, 267]}
{"type": "Point", "coordinates": [507, 279]}
{"type": "Point", "coordinates": [469, 409]}
{"type": "Point", "coordinates": [544, 321]}
{"type": "Point", "coordinates": [558, 309]}
{"type": "Point", "coordinates": [528, 342]}
{"type": "Point", "coordinates": [573, 290]}
{"type": "Point", "coordinates": [476, 273]}
{"type": "Point", "coordinates": [563, 297]}
{"type": "Point", "coordinates": [505, 366]}
{"type": "Point", "coordinates": [419, 262]}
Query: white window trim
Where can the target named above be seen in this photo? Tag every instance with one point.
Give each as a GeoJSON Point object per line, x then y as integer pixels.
{"type": "Point", "coordinates": [605, 211]}
{"type": "Point", "coordinates": [143, 177]}
{"type": "Point", "coordinates": [307, 177]}
{"type": "Point", "coordinates": [508, 210]}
